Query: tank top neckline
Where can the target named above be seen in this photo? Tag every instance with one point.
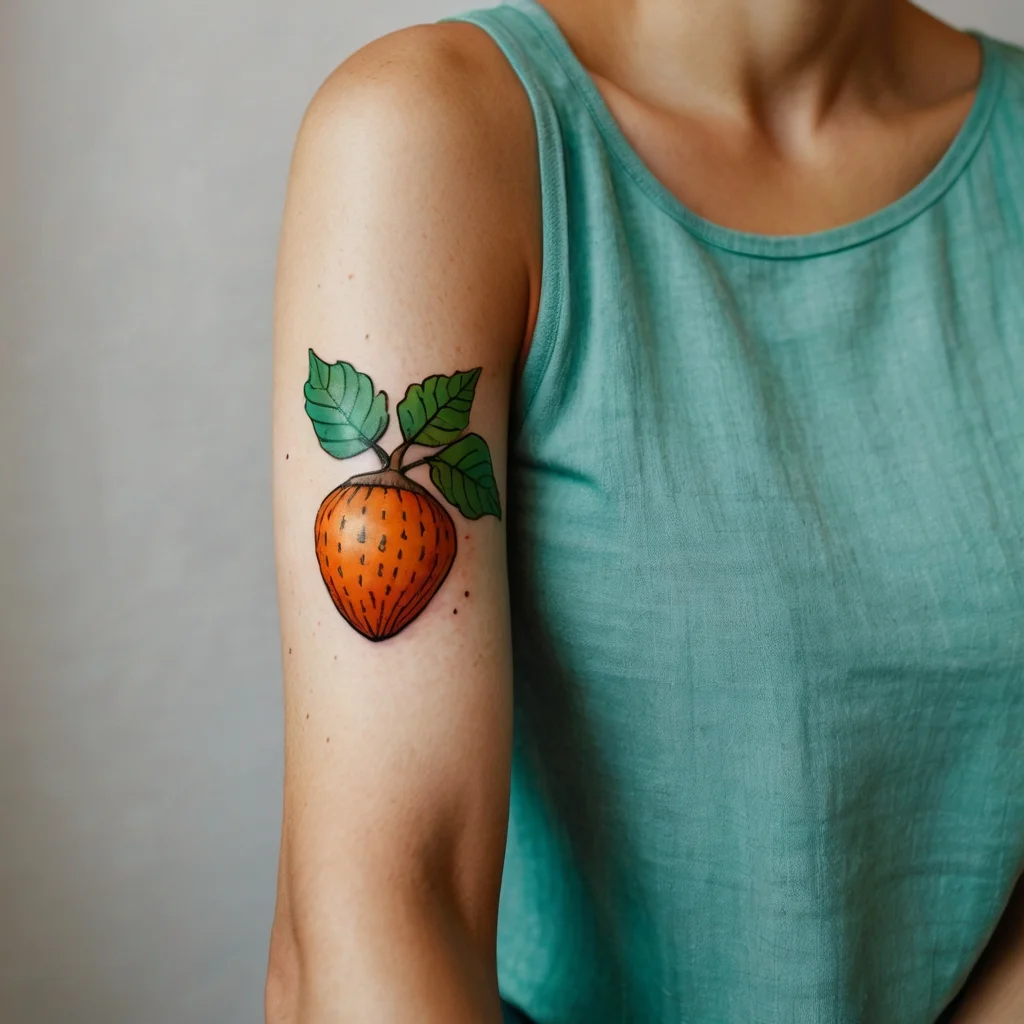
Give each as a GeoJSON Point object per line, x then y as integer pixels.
{"type": "Point", "coordinates": [819, 243]}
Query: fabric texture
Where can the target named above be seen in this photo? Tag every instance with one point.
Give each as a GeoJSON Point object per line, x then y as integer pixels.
{"type": "Point", "coordinates": [767, 565]}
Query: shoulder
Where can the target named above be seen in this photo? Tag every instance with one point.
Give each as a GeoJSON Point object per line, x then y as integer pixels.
{"type": "Point", "coordinates": [428, 100]}
{"type": "Point", "coordinates": [414, 193]}
{"type": "Point", "coordinates": [422, 143]}
{"type": "Point", "coordinates": [435, 61]}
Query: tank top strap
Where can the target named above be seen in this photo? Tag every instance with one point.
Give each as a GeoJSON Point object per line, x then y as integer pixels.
{"type": "Point", "coordinates": [518, 29]}
{"type": "Point", "coordinates": [536, 48]}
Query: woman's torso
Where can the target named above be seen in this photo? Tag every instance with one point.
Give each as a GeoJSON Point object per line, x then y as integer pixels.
{"type": "Point", "coordinates": [766, 521]}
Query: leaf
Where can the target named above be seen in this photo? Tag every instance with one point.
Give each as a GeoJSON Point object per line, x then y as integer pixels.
{"type": "Point", "coordinates": [348, 415]}
{"type": "Point", "coordinates": [462, 472]}
{"type": "Point", "coordinates": [437, 411]}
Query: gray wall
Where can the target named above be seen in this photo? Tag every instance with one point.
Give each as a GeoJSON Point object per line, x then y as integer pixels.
{"type": "Point", "coordinates": [140, 733]}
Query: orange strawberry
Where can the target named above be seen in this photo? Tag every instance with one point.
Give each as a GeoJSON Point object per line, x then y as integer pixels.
{"type": "Point", "coordinates": [384, 546]}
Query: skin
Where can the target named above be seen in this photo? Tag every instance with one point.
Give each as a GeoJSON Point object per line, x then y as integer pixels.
{"type": "Point", "coordinates": [404, 251]}
{"type": "Point", "coordinates": [785, 117]}
{"type": "Point", "coordinates": [411, 246]}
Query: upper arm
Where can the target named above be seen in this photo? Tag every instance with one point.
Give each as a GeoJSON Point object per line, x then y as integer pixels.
{"type": "Point", "coordinates": [405, 253]}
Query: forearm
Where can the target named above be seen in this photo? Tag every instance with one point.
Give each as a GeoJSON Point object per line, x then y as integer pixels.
{"type": "Point", "coordinates": [994, 992]}
{"type": "Point", "coordinates": [389, 963]}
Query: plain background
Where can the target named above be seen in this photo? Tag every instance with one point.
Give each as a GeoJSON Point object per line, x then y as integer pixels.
{"type": "Point", "coordinates": [144, 156]}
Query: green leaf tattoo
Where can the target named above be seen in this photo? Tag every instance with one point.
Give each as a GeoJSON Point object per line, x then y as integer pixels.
{"type": "Point", "coordinates": [384, 543]}
{"type": "Point", "coordinates": [348, 415]}
{"type": "Point", "coordinates": [437, 411]}
{"type": "Point", "coordinates": [462, 472]}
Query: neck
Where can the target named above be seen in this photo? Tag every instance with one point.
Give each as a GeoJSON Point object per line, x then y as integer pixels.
{"type": "Point", "coordinates": [749, 58]}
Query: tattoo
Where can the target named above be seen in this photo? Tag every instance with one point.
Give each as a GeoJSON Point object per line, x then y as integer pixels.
{"type": "Point", "coordinates": [384, 543]}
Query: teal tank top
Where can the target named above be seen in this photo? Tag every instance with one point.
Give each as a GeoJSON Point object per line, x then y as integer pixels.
{"type": "Point", "coordinates": [766, 543]}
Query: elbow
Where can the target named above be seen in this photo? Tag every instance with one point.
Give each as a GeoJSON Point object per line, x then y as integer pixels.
{"type": "Point", "coordinates": [281, 995]}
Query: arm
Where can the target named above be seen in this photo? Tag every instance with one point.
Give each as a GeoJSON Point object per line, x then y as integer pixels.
{"type": "Point", "coordinates": [994, 992]}
{"type": "Point", "coordinates": [406, 252]}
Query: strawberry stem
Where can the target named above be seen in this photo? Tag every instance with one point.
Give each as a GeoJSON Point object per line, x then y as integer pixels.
{"type": "Point", "coordinates": [395, 462]}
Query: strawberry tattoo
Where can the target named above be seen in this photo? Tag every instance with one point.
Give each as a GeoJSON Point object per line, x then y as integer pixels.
{"type": "Point", "coordinates": [384, 543]}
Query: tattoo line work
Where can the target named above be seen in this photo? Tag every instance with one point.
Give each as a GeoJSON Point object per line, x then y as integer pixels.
{"type": "Point", "coordinates": [384, 543]}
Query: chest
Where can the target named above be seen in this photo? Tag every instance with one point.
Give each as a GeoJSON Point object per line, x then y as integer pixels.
{"type": "Point", "coordinates": [788, 477]}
